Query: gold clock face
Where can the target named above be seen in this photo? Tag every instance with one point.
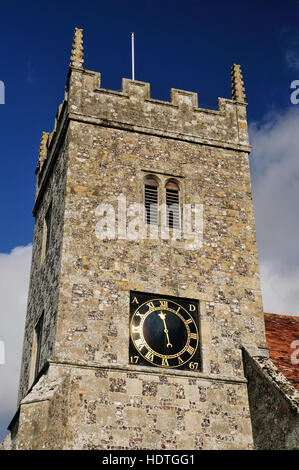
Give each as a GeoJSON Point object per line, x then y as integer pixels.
{"type": "Point", "coordinates": [164, 331]}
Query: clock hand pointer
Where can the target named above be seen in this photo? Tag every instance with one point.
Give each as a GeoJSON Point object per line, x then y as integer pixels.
{"type": "Point", "coordinates": [163, 316]}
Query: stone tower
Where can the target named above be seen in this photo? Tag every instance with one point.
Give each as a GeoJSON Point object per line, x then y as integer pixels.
{"type": "Point", "coordinates": [86, 381]}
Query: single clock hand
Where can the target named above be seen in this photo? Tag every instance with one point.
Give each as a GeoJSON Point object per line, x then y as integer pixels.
{"type": "Point", "coordinates": [163, 316]}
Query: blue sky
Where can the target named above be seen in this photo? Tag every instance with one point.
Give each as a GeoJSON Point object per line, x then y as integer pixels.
{"type": "Point", "coordinates": [189, 45]}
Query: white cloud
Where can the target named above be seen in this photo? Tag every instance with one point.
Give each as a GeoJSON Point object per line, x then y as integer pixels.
{"type": "Point", "coordinates": [14, 282]}
{"type": "Point", "coordinates": [275, 165]}
{"type": "Point", "coordinates": [280, 290]}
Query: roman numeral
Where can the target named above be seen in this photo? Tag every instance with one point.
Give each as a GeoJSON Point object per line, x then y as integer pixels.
{"type": "Point", "coordinates": [151, 306]}
{"type": "Point", "coordinates": [150, 356]}
{"type": "Point", "coordinates": [139, 344]}
{"type": "Point", "coordinates": [190, 350]}
{"type": "Point", "coordinates": [193, 336]}
{"type": "Point", "coordinates": [164, 362]}
{"type": "Point", "coordinates": [163, 304]}
{"type": "Point", "coordinates": [135, 329]}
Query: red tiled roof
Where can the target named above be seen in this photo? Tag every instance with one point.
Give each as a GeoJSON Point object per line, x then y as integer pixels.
{"type": "Point", "coordinates": [282, 335]}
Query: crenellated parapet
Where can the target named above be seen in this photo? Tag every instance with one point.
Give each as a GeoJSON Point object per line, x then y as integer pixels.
{"type": "Point", "coordinates": [133, 107]}
{"type": "Point", "coordinates": [43, 148]}
{"type": "Point", "coordinates": [47, 138]}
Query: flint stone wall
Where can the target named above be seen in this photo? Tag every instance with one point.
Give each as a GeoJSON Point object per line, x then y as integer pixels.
{"type": "Point", "coordinates": [274, 406]}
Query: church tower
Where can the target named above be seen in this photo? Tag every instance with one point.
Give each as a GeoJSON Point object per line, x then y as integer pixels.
{"type": "Point", "coordinates": [145, 283]}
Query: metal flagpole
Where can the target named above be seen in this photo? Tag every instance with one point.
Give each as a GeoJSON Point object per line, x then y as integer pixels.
{"type": "Point", "coordinates": [133, 58]}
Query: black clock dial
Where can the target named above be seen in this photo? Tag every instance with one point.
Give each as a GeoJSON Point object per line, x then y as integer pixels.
{"type": "Point", "coordinates": [165, 342]}
{"type": "Point", "coordinates": [164, 331]}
